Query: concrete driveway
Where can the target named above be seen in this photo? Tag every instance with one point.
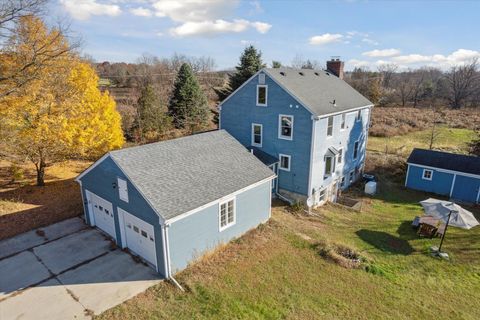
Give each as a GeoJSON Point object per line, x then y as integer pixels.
{"type": "Point", "coordinates": [66, 271]}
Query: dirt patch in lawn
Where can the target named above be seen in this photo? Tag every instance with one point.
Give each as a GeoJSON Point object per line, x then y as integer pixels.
{"type": "Point", "coordinates": [24, 206]}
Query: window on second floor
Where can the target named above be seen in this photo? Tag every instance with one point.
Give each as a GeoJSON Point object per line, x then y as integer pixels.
{"type": "Point", "coordinates": [340, 155]}
{"type": "Point", "coordinates": [257, 134]}
{"type": "Point", "coordinates": [262, 92]}
{"type": "Point", "coordinates": [355, 150]}
{"type": "Point", "coordinates": [285, 127]}
{"type": "Point", "coordinates": [329, 165]}
{"type": "Point", "coordinates": [342, 125]}
{"type": "Point", "coordinates": [122, 189]}
{"type": "Point", "coordinates": [330, 126]}
{"type": "Point", "coordinates": [359, 115]}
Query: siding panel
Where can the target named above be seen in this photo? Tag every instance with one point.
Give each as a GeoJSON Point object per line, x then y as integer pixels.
{"type": "Point", "coordinates": [191, 237]}
{"type": "Point", "coordinates": [466, 188]}
{"type": "Point", "coordinates": [441, 182]}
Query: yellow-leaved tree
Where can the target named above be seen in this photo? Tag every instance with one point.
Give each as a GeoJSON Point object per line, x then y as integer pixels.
{"type": "Point", "coordinates": [60, 114]}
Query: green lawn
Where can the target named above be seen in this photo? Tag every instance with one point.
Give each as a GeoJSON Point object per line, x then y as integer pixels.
{"type": "Point", "coordinates": [449, 139]}
{"type": "Point", "coordinates": [276, 272]}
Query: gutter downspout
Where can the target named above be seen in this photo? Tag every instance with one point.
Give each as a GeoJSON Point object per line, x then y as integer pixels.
{"type": "Point", "coordinates": [166, 255]}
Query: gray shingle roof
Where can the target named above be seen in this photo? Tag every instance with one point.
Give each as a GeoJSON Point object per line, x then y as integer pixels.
{"type": "Point", "coordinates": [317, 89]}
{"type": "Point", "coordinates": [182, 174]}
{"type": "Point", "coordinates": [445, 160]}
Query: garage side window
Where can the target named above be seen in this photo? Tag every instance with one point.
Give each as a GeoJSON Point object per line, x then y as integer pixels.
{"type": "Point", "coordinates": [227, 214]}
{"type": "Point", "coordinates": [122, 189]}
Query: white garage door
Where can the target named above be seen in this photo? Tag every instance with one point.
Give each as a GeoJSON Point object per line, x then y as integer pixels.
{"type": "Point", "coordinates": [102, 212]}
{"type": "Point", "coordinates": [139, 236]}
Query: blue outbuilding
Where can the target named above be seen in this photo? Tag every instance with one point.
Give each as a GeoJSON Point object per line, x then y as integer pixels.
{"type": "Point", "coordinates": [170, 202]}
{"type": "Point", "coordinates": [453, 175]}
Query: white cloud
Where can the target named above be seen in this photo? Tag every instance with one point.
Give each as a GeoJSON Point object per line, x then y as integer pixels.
{"type": "Point", "coordinates": [458, 57]}
{"type": "Point", "coordinates": [210, 28]}
{"type": "Point", "coordinates": [205, 17]}
{"type": "Point", "coordinates": [141, 12]}
{"type": "Point", "coordinates": [382, 53]}
{"type": "Point", "coordinates": [194, 10]}
{"type": "Point", "coordinates": [370, 41]}
{"type": "Point", "coordinates": [84, 9]}
{"type": "Point", "coordinates": [355, 63]}
{"type": "Point", "coordinates": [325, 39]}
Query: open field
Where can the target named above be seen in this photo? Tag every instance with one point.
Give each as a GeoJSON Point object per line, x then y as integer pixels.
{"type": "Point", "coordinates": [276, 271]}
{"type": "Point", "coordinates": [390, 121]}
{"type": "Point", "coordinates": [447, 139]}
{"type": "Point", "coordinates": [24, 206]}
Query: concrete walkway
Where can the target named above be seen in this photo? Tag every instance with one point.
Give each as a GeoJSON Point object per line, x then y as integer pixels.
{"type": "Point", "coordinates": [68, 271]}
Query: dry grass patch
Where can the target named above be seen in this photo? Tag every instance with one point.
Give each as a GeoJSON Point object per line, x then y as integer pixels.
{"type": "Point", "coordinates": [24, 206]}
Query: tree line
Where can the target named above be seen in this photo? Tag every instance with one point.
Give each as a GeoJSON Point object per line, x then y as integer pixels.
{"type": "Point", "coordinates": [456, 87]}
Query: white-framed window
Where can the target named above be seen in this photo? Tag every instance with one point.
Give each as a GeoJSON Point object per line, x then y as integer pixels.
{"type": "Point", "coordinates": [330, 126]}
{"type": "Point", "coordinates": [322, 195]}
{"type": "Point", "coordinates": [257, 134]}
{"type": "Point", "coordinates": [355, 150]}
{"type": "Point", "coordinates": [285, 162]}
{"type": "Point", "coordinates": [351, 176]}
{"type": "Point", "coordinates": [329, 165]}
{"type": "Point", "coordinates": [226, 214]}
{"type": "Point", "coordinates": [340, 155]}
{"type": "Point", "coordinates": [122, 189]}
{"type": "Point", "coordinates": [285, 127]}
{"type": "Point", "coordinates": [262, 95]}
{"type": "Point", "coordinates": [427, 174]}
{"type": "Point", "coordinates": [359, 115]}
{"type": "Point", "coordinates": [342, 124]}
{"type": "Point", "coordinates": [261, 78]}
{"type": "Point", "coordinates": [342, 182]}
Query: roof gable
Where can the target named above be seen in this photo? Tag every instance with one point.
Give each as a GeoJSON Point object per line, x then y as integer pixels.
{"type": "Point", "coordinates": [445, 160]}
{"type": "Point", "coordinates": [180, 175]}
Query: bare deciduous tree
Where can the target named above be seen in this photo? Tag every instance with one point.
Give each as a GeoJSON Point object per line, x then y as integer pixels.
{"type": "Point", "coordinates": [462, 80]}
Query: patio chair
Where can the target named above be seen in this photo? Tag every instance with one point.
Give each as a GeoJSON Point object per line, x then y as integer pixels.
{"type": "Point", "coordinates": [426, 230]}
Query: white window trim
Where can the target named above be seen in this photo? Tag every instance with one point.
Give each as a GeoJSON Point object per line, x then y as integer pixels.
{"type": "Point", "coordinates": [431, 174]}
{"type": "Point", "coordinates": [332, 166]}
{"type": "Point", "coordinates": [228, 225]}
{"type": "Point", "coordinates": [280, 155]}
{"type": "Point", "coordinates": [253, 135]}
{"type": "Point", "coordinates": [266, 95]}
{"type": "Point", "coordinates": [340, 152]}
{"type": "Point", "coordinates": [343, 120]}
{"type": "Point", "coordinates": [125, 198]}
{"type": "Point", "coordinates": [355, 157]}
{"type": "Point", "coordinates": [357, 117]}
{"type": "Point", "coordinates": [333, 126]}
{"type": "Point", "coordinates": [280, 136]}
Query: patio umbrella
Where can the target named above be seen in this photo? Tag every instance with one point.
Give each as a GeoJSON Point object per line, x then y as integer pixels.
{"type": "Point", "coordinates": [450, 213]}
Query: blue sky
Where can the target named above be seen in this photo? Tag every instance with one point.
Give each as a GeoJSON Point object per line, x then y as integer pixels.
{"type": "Point", "coordinates": [364, 33]}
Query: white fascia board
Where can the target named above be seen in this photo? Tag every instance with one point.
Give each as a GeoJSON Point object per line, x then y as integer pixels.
{"type": "Point", "coordinates": [96, 163]}
{"type": "Point", "coordinates": [345, 111]}
{"type": "Point", "coordinates": [470, 175]}
{"type": "Point", "coordinates": [239, 88]}
{"type": "Point", "coordinates": [312, 150]}
{"type": "Point", "coordinates": [193, 211]}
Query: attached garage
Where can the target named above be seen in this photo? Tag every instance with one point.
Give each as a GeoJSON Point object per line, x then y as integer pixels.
{"type": "Point", "coordinates": [138, 236]}
{"type": "Point", "coordinates": [101, 213]}
{"type": "Point", "coordinates": [169, 202]}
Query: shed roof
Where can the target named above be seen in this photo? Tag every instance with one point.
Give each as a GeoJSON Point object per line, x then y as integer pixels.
{"type": "Point", "coordinates": [318, 90]}
{"type": "Point", "coordinates": [266, 158]}
{"type": "Point", "coordinates": [182, 174]}
{"type": "Point", "coordinates": [445, 160]}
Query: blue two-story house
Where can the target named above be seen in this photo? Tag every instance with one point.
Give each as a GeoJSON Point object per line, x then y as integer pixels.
{"type": "Point", "coordinates": [309, 126]}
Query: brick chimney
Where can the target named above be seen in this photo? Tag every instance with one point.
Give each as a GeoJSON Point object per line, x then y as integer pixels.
{"type": "Point", "coordinates": [335, 66]}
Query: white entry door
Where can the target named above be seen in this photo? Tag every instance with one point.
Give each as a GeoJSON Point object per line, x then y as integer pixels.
{"type": "Point", "coordinates": [139, 236]}
{"type": "Point", "coordinates": [102, 212]}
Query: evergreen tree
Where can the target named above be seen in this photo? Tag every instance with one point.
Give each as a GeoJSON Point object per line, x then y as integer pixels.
{"type": "Point", "coordinates": [188, 104]}
{"type": "Point", "coordinates": [276, 64]}
{"type": "Point", "coordinates": [250, 63]}
{"type": "Point", "coordinates": [152, 120]}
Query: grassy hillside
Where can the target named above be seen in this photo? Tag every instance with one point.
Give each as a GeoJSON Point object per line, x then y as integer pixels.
{"type": "Point", "coordinates": [276, 271]}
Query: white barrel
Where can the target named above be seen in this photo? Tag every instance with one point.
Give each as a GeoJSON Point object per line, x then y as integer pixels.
{"type": "Point", "coordinates": [371, 187]}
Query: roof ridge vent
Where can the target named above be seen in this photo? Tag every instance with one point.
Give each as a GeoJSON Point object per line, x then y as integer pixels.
{"type": "Point", "coordinates": [301, 73]}
{"type": "Point", "coordinates": [316, 73]}
{"type": "Point", "coordinates": [282, 73]}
